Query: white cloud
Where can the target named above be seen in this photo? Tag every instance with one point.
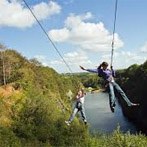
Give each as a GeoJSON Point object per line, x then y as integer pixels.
{"type": "Point", "coordinates": [124, 59]}
{"type": "Point", "coordinates": [86, 35]}
{"type": "Point", "coordinates": [143, 49]}
{"type": "Point", "coordinates": [13, 12]}
{"type": "Point", "coordinates": [73, 59]}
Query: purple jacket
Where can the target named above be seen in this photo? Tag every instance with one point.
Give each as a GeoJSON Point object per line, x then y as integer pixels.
{"type": "Point", "coordinates": [107, 74]}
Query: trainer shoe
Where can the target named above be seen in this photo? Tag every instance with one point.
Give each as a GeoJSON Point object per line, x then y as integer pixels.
{"type": "Point", "coordinates": [68, 123]}
{"type": "Point", "coordinates": [134, 104]}
{"type": "Point", "coordinates": [112, 107]}
{"type": "Point", "coordinates": [85, 122]}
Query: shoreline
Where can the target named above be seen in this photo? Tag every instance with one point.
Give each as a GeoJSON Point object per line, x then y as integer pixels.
{"type": "Point", "coordinates": [97, 91]}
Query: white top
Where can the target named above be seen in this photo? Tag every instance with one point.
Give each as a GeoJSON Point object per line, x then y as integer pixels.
{"type": "Point", "coordinates": [80, 97]}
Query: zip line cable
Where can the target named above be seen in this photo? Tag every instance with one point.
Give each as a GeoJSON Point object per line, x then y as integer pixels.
{"type": "Point", "coordinates": [114, 28]}
{"type": "Point", "coordinates": [53, 44]}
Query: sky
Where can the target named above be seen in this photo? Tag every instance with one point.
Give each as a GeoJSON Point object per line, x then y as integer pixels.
{"type": "Point", "coordinates": [81, 30]}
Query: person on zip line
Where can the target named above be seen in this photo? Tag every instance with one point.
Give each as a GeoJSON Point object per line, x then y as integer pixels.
{"type": "Point", "coordinates": [108, 75]}
{"type": "Point", "coordinates": [79, 106]}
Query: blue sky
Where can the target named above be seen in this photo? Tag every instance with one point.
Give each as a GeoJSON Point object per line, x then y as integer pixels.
{"type": "Point", "coordinates": [81, 30]}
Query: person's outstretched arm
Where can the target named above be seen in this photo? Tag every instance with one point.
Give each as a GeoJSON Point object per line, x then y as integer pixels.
{"type": "Point", "coordinates": [89, 70]}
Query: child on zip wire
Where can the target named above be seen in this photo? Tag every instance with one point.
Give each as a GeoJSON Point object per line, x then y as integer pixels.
{"type": "Point", "coordinates": [79, 106]}
{"type": "Point", "coordinates": [108, 75]}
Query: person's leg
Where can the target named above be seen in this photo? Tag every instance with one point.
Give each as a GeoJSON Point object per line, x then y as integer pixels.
{"type": "Point", "coordinates": [121, 92]}
{"type": "Point", "coordinates": [111, 95]}
{"type": "Point", "coordinates": [73, 114]}
{"type": "Point", "coordinates": [82, 110]}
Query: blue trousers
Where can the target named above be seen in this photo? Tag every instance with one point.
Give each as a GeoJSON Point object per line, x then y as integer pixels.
{"type": "Point", "coordinates": [78, 107]}
{"type": "Point", "coordinates": [113, 85]}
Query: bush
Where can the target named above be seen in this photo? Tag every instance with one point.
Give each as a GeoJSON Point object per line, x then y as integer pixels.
{"type": "Point", "coordinates": [41, 119]}
{"type": "Point", "coordinates": [8, 138]}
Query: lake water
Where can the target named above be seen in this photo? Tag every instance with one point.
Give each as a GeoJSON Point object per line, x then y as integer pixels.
{"type": "Point", "coordinates": [100, 117]}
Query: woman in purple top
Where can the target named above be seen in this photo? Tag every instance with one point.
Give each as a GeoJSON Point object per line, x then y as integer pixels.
{"type": "Point", "coordinates": [108, 75]}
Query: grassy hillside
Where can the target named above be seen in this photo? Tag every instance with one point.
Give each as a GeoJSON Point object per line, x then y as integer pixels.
{"type": "Point", "coordinates": [34, 104]}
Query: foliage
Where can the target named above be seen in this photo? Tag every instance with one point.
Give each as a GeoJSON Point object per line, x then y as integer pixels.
{"type": "Point", "coordinates": [8, 138]}
{"type": "Point", "coordinates": [134, 82]}
{"type": "Point", "coordinates": [33, 110]}
{"type": "Point", "coordinates": [118, 139]}
{"type": "Point", "coordinates": [90, 80]}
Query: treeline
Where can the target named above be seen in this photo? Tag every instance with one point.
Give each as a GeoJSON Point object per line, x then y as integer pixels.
{"type": "Point", "coordinates": [89, 80]}
{"type": "Point", "coordinates": [134, 82]}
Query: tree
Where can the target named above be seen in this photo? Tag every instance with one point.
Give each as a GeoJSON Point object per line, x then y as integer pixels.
{"type": "Point", "coordinates": [2, 58]}
{"type": "Point", "coordinates": [35, 61]}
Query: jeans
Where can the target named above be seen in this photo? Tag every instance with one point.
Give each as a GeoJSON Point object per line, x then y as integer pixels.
{"type": "Point", "coordinates": [76, 109]}
{"type": "Point", "coordinates": [113, 85]}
